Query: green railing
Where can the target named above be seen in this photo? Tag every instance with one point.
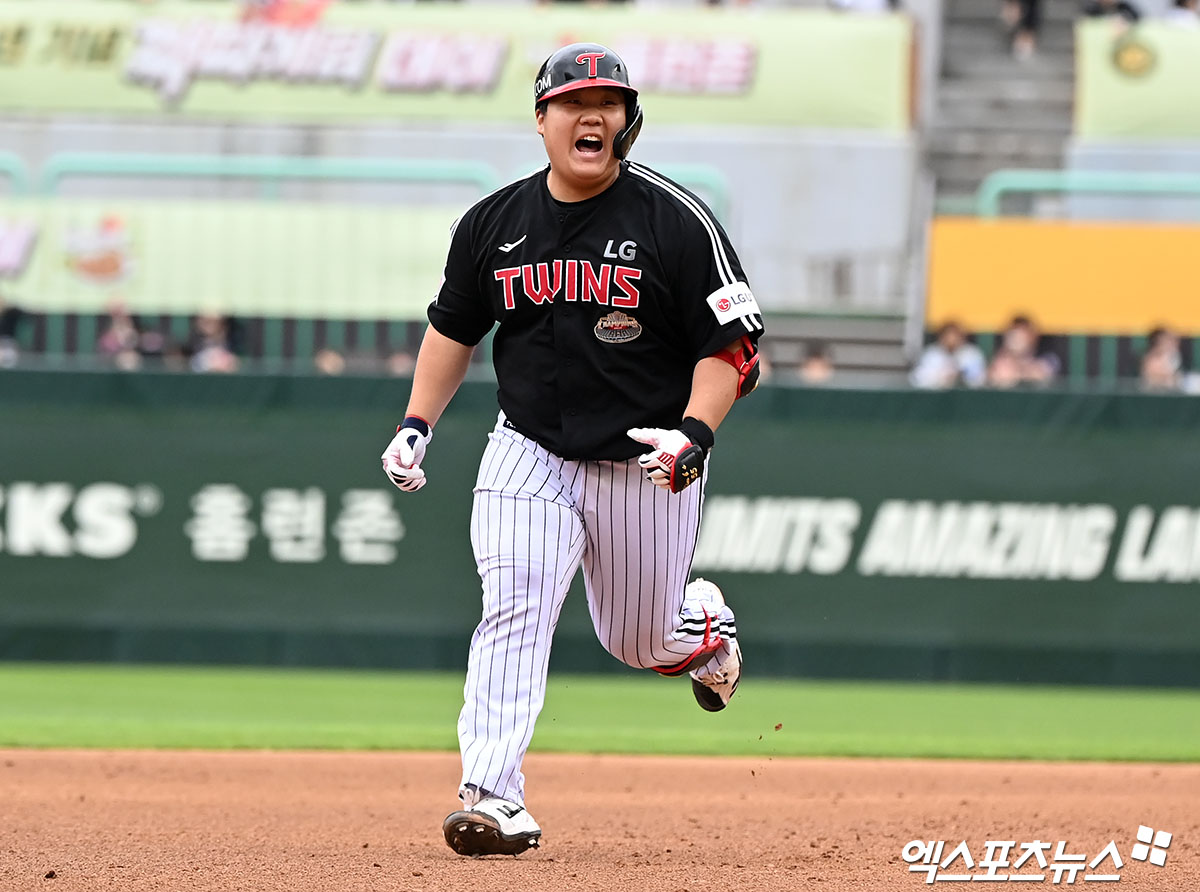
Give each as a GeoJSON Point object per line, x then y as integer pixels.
{"type": "Point", "coordinates": [1003, 182]}
{"type": "Point", "coordinates": [61, 331]}
{"type": "Point", "coordinates": [270, 170]}
{"type": "Point", "coordinates": [13, 167]}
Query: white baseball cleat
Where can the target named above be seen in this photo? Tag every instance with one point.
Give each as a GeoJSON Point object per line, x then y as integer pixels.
{"type": "Point", "coordinates": [713, 690]}
{"type": "Point", "coordinates": [492, 826]}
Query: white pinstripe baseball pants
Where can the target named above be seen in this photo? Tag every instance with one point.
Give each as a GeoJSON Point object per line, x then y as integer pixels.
{"type": "Point", "coordinates": [535, 518]}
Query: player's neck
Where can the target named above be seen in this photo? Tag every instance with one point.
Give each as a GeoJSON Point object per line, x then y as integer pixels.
{"type": "Point", "coordinates": [567, 190]}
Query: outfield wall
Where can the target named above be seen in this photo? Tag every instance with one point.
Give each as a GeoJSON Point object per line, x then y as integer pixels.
{"type": "Point", "coordinates": [958, 535]}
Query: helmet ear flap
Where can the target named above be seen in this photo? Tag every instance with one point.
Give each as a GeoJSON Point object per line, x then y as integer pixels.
{"type": "Point", "coordinates": [623, 141]}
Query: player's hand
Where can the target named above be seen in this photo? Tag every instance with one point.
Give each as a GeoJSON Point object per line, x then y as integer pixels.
{"type": "Point", "coordinates": [674, 463]}
{"type": "Point", "coordinates": [402, 459]}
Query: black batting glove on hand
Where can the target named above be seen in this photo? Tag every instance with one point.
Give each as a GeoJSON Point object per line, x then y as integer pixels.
{"type": "Point", "coordinates": [402, 459]}
{"type": "Point", "coordinates": [677, 461]}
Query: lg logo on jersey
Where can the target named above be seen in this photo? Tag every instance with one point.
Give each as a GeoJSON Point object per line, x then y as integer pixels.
{"type": "Point", "coordinates": [725, 304]}
{"type": "Point", "coordinates": [627, 251]}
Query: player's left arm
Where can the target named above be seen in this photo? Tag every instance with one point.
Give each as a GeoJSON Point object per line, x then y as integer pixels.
{"type": "Point", "coordinates": [677, 458]}
{"type": "Point", "coordinates": [714, 388]}
{"type": "Point", "coordinates": [723, 329]}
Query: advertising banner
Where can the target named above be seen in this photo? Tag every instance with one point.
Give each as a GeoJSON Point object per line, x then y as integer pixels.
{"type": "Point", "coordinates": [995, 536]}
{"type": "Point", "coordinates": [1141, 84]}
{"type": "Point", "coordinates": [271, 259]}
{"type": "Point", "coordinates": [1095, 278]}
{"type": "Point", "coordinates": [402, 62]}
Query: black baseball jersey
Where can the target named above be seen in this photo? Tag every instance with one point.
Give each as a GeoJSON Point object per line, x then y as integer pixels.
{"type": "Point", "coordinates": [605, 305]}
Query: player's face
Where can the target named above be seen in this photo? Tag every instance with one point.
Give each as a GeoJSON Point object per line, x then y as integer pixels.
{"type": "Point", "coordinates": [578, 128]}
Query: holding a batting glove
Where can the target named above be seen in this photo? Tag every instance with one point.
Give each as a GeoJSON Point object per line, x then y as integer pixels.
{"type": "Point", "coordinates": [403, 456]}
{"type": "Point", "coordinates": [677, 460]}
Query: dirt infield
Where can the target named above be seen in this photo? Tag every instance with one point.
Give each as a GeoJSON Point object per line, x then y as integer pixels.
{"type": "Point", "coordinates": [329, 822]}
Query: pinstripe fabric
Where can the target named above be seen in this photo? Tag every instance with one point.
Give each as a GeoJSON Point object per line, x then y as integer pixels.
{"type": "Point", "coordinates": [536, 519]}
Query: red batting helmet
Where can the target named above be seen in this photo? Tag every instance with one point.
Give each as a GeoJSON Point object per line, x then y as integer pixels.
{"type": "Point", "coordinates": [583, 65]}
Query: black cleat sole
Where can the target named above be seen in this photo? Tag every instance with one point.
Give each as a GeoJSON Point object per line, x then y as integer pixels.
{"type": "Point", "coordinates": [709, 699]}
{"type": "Point", "coordinates": [472, 834]}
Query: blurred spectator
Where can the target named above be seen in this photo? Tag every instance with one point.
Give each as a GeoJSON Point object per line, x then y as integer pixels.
{"type": "Point", "coordinates": [1162, 365]}
{"type": "Point", "coordinates": [124, 340]}
{"type": "Point", "coordinates": [401, 364]}
{"type": "Point", "coordinates": [10, 322]}
{"type": "Point", "coordinates": [950, 361]}
{"type": "Point", "coordinates": [212, 344]}
{"type": "Point", "coordinates": [1018, 359]}
{"type": "Point", "coordinates": [817, 365]}
{"type": "Point", "coordinates": [328, 361]}
{"type": "Point", "coordinates": [1122, 10]}
{"type": "Point", "coordinates": [1184, 14]}
{"type": "Point", "coordinates": [1024, 18]}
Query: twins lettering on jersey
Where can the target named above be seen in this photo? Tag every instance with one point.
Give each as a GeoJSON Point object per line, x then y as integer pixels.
{"type": "Point", "coordinates": [579, 280]}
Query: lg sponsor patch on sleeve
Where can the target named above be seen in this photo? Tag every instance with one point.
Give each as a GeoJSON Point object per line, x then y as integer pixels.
{"type": "Point", "coordinates": [733, 301]}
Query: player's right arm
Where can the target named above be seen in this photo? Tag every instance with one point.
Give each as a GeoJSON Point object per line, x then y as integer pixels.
{"type": "Point", "coordinates": [441, 367]}
{"type": "Point", "coordinates": [458, 319]}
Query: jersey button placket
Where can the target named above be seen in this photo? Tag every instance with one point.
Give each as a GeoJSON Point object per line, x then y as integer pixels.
{"type": "Point", "coordinates": [566, 363]}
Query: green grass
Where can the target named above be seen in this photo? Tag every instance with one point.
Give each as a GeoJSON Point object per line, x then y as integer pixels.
{"type": "Point", "coordinates": [46, 705]}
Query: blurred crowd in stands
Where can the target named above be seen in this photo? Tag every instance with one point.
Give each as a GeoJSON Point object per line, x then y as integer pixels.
{"type": "Point", "coordinates": [1020, 356]}
{"type": "Point", "coordinates": [1023, 18]}
{"type": "Point", "coordinates": [212, 344]}
{"type": "Point", "coordinates": [1019, 359]}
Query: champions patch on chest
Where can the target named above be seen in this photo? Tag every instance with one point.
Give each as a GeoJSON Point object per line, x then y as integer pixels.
{"type": "Point", "coordinates": [617, 328]}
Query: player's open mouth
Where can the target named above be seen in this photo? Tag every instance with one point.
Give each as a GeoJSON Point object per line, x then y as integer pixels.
{"type": "Point", "coordinates": [589, 145]}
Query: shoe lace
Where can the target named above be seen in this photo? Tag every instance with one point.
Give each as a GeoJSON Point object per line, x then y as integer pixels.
{"type": "Point", "coordinates": [472, 795]}
{"type": "Point", "coordinates": [720, 675]}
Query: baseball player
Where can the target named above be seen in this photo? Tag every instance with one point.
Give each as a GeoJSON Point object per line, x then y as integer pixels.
{"type": "Point", "coordinates": [626, 332]}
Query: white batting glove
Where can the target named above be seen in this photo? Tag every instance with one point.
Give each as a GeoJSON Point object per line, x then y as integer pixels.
{"type": "Point", "coordinates": [675, 462]}
{"type": "Point", "coordinates": [403, 456]}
